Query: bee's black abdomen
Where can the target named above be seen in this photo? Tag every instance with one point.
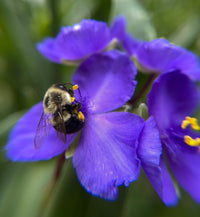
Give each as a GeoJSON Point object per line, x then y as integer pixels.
{"type": "Point", "coordinates": [74, 124]}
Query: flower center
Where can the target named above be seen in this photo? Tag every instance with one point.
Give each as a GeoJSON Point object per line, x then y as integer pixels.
{"type": "Point", "coordinates": [195, 126]}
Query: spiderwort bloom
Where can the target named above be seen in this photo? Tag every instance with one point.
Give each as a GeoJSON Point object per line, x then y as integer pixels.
{"type": "Point", "coordinates": [74, 44]}
{"type": "Point", "coordinates": [105, 156]}
{"type": "Point", "coordinates": [160, 55]}
{"type": "Point", "coordinates": [173, 97]}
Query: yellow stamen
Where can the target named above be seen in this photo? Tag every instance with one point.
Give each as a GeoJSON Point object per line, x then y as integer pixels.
{"type": "Point", "coordinates": [194, 124]}
{"type": "Point", "coordinates": [192, 142]}
{"type": "Point", "coordinates": [192, 121]}
{"type": "Point", "coordinates": [72, 99]}
{"type": "Point", "coordinates": [75, 87]}
{"type": "Point", "coordinates": [81, 116]}
{"type": "Point", "coordinates": [184, 124]}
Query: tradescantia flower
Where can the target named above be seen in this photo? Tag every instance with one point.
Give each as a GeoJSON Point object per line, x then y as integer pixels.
{"type": "Point", "coordinates": [105, 156]}
{"type": "Point", "coordinates": [164, 140]}
{"type": "Point", "coordinates": [160, 55]}
{"type": "Point", "coordinates": [74, 44]}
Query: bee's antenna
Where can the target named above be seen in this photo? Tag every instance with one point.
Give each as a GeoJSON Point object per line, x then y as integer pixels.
{"type": "Point", "coordinates": [74, 87]}
{"type": "Point", "coordinates": [79, 93]}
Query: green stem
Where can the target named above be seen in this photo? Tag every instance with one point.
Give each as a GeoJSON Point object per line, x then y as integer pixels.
{"type": "Point", "coordinates": [54, 29]}
{"type": "Point", "coordinates": [134, 99]}
{"type": "Point", "coordinates": [51, 186]}
{"type": "Point", "coordinates": [53, 7]}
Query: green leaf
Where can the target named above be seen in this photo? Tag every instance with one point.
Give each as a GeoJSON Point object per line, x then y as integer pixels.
{"type": "Point", "coordinates": [8, 122]}
{"type": "Point", "coordinates": [138, 19]}
{"type": "Point", "coordinates": [187, 33]}
{"type": "Point", "coordinates": [72, 200]}
{"type": "Point", "coordinates": [32, 65]}
{"type": "Point", "coordinates": [102, 10]}
{"type": "Point", "coordinates": [69, 198]}
{"type": "Point", "coordinates": [22, 187]}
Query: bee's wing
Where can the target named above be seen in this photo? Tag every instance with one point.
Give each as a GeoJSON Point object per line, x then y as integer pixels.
{"type": "Point", "coordinates": [62, 135]}
{"type": "Point", "coordinates": [42, 131]}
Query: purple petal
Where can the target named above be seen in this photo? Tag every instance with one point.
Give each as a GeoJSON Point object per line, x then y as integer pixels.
{"type": "Point", "coordinates": [77, 42]}
{"type": "Point", "coordinates": [150, 147]}
{"type": "Point", "coordinates": [184, 162]}
{"type": "Point", "coordinates": [130, 44]}
{"type": "Point", "coordinates": [47, 48]}
{"type": "Point", "coordinates": [106, 80]}
{"type": "Point", "coordinates": [150, 151]}
{"type": "Point", "coordinates": [118, 27]}
{"type": "Point", "coordinates": [160, 56]}
{"type": "Point", "coordinates": [106, 153]}
{"type": "Point", "coordinates": [172, 97]}
{"type": "Point", "coordinates": [20, 146]}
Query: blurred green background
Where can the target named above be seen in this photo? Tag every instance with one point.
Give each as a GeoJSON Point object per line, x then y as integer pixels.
{"type": "Point", "coordinates": [25, 75]}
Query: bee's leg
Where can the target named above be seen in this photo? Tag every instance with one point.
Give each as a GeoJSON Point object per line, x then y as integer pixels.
{"type": "Point", "coordinates": [76, 106]}
{"type": "Point", "coordinates": [77, 113]}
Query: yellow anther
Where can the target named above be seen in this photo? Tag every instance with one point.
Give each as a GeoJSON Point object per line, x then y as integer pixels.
{"type": "Point", "coordinates": [192, 142]}
{"type": "Point", "coordinates": [72, 99]}
{"type": "Point", "coordinates": [192, 121]}
{"type": "Point", "coordinates": [194, 124]}
{"type": "Point", "coordinates": [184, 124]}
{"type": "Point", "coordinates": [75, 87]}
{"type": "Point", "coordinates": [81, 116]}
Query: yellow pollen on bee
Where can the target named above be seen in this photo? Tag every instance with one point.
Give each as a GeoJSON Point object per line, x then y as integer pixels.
{"type": "Point", "coordinates": [190, 121]}
{"type": "Point", "coordinates": [72, 99]}
{"type": "Point", "coordinates": [81, 116]}
{"type": "Point", "coordinates": [75, 87]}
{"type": "Point", "coordinates": [192, 142]}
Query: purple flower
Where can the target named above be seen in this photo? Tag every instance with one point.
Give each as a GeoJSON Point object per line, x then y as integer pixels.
{"type": "Point", "coordinates": [172, 98]}
{"type": "Point", "coordinates": [74, 44]}
{"type": "Point", "coordinates": [105, 156]}
{"type": "Point", "coordinates": [118, 28]}
{"type": "Point", "coordinates": [160, 56]}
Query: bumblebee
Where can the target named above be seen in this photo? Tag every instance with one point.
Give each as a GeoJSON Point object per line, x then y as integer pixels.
{"type": "Point", "coordinates": [61, 111]}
